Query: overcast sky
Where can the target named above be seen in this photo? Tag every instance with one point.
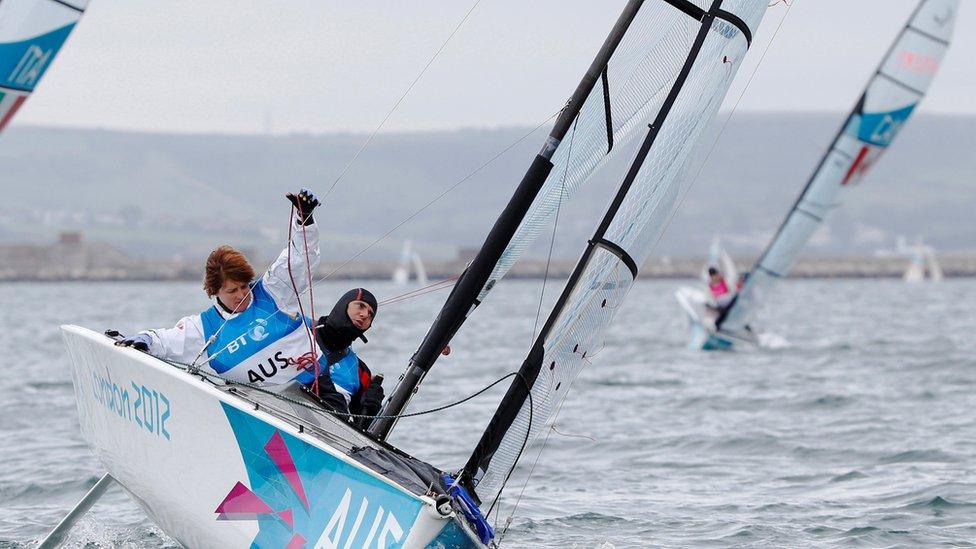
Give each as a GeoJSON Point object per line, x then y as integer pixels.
{"type": "Point", "coordinates": [323, 66]}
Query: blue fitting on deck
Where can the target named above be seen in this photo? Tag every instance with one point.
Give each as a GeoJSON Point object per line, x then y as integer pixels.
{"type": "Point", "coordinates": [470, 509]}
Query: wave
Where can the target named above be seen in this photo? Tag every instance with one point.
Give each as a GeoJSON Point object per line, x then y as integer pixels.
{"type": "Point", "coordinates": [919, 456]}
{"type": "Point", "coordinates": [850, 475]}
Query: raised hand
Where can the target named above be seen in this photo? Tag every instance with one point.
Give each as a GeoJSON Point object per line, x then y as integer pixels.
{"type": "Point", "coordinates": [305, 201]}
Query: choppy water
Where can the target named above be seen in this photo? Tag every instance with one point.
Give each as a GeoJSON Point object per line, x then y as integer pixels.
{"type": "Point", "coordinates": [860, 434]}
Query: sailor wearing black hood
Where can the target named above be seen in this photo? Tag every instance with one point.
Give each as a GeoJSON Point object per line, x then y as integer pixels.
{"type": "Point", "coordinates": [347, 386]}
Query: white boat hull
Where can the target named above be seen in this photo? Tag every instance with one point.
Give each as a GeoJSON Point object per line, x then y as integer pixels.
{"type": "Point", "coordinates": [213, 471]}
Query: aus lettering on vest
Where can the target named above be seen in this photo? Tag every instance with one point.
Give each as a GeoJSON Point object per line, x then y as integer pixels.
{"type": "Point", "coordinates": [384, 529]}
{"type": "Point", "coordinates": [274, 364]}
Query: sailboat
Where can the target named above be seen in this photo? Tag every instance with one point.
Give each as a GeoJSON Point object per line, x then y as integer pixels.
{"type": "Point", "coordinates": [31, 34]}
{"type": "Point", "coordinates": [923, 264]}
{"type": "Point", "coordinates": [218, 464]}
{"type": "Point", "coordinates": [699, 304]}
{"type": "Point", "coordinates": [892, 94]}
{"type": "Point", "coordinates": [409, 259]}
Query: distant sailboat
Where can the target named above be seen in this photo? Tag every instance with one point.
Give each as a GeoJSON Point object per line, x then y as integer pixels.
{"type": "Point", "coordinates": [892, 94]}
{"type": "Point", "coordinates": [698, 303]}
{"type": "Point", "coordinates": [31, 34]}
{"type": "Point", "coordinates": [923, 263]}
{"type": "Point", "coordinates": [220, 464]}
{"type": "Point", "coordinates": [409, 259]}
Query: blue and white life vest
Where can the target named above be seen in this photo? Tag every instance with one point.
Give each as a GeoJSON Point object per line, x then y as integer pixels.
{"type": "Point", "coordinates": [344, 372]}
{"type": "Point", "coordinates": [261, 344]}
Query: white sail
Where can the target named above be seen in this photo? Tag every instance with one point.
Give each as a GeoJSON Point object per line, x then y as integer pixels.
{"type": "Point", "coordinates": [401, 274]}
{"type": "Point", "coordinates": [418, 268]}
{"type": "Point", "coordinates": [618, 109]}
{"type": "Point", "coordinates": [891, 96]}
{"type": "Point", "coordinates": [694, 61]}
{"type": "Point", "coordinates": [933, 265]}
{"type": "Point", "coordinates": [922, 265]}
{"type": "Point", "coordinates": [721, 260]}
{"type": "Point", "coordinates": [409, 259]}
{"type": "Point", "coordinates": [31, 34]}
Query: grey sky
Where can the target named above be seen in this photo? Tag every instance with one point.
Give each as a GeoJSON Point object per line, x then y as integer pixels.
{"type": "Point", "coordinates": [323, 66]}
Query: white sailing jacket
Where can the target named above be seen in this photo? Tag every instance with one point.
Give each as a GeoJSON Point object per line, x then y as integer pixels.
{"type": "Point", "coordinates": [266, 342]}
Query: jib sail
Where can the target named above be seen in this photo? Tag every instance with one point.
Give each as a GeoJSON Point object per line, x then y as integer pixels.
{"type": "Point", "coordinates": [693, 51]}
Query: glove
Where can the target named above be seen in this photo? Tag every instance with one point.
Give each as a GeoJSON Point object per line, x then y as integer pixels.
{"type": "Point", "coordinates": [139, 342]}
{"type": "Point", "coordinates": [373, 397]}
{"type": "Point", "coordinates": [304, 202]}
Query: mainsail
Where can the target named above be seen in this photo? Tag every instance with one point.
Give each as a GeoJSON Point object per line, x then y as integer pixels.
{"type": "Point", "coordinates": [31, 33]}
{"type": "Point", "coordinates": [616, 96]}
{"type": "Point", "coordinates": [696, 50]}
{"type": "Point", "coordinates": [891, 96]}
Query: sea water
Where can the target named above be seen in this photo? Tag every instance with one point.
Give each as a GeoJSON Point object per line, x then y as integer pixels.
{"type": "Point", "coordinates": [859, 433]}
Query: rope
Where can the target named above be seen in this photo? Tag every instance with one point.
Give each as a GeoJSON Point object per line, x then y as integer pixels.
{"type": "Point", "coordinates": [262, 389]}
{"type": "Point", "coordinates": [538, 313]}
{"type": "Point", "coordinates": [555, 225]}
{"type": "Point", "coordinates": [302, 360]}
{"type": "Point", "coordinates": [440, 285]}
{"type": "Point", "coordinates": [444, 193]}
{"type": "Point", "coordinates": [343, 172]}
{"type": "Point", "coordinates": [385, 235]}
{"type": "Point", "coordinates": [396, 105]}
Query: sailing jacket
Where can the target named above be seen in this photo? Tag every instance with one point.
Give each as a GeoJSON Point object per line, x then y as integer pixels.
{"type": "Point", "coordinates": [347, 386]}
{"type": "Point", "coordinates": [267, 342]}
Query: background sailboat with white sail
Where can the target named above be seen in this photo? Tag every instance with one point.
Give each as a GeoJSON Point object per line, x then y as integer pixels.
{"type": "Point", "coordinates": [282, 473]}
{"type": "Point", "coordinates": [410, 262]}
{"type": "Point", "coordinates": [892, 94]}
{"type": "Point", "coordinates": [31, 34]}
{"type": "Point", "coordinates": [699, 304]}
{"type": "Point", "coordinates": [923, 263]}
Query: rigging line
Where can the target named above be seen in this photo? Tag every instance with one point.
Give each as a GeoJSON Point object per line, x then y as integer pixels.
{"type": "Point", "coordinates": [545, 442]}
{"type": "Point", "coordinates": [333, 413]}
{"type": "Point", "coordinates": [430, 291]}
{"type": "Point", "coordinates": [402, 223]}
{"type": "Point", "coordinates": [525, 442]}
{"type": "Point", "coordinates": [555, 225]}
{"type": "Point", "coordinates": [438, 197]}
{"type": "Point", "coordinates": [571, 435]}
{"type": "Point", "coordinates": [538, 313]}
{"type": "Point", "coordinates": [735, 106]}
{"type": "Point", "coordinates": [400, 100]}
{"type": "Point", "coordinates": [302, 362]}
{"type": "Point", "coordinates": [409, 295]}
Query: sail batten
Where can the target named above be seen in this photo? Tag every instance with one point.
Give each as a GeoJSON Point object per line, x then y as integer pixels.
{"type": "Point", "coordinates": [890, 97]}
{"type": "Point", "coordinates": [700, 58]}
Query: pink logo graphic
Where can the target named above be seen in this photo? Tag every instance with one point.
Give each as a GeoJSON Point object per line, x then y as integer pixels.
{"type": "Point", "coordinates": [243, 504]}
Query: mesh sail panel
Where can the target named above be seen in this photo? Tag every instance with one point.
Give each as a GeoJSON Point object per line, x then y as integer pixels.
{"type": "Point", "coordinates": [577, 329]}
{"type": "Point", "coordinates": [890, 98]}
{"type": "Point", "coordinates": [638, 77]}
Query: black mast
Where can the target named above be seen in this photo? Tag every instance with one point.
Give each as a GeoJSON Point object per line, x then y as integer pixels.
{"type": "Point", "coordinates": [519, 390]}
{"type": "Point", "coordinates": [464, 296]}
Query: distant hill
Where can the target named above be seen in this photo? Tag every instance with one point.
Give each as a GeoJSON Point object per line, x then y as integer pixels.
{"type": "Point", "coordinates": [157, 195]}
